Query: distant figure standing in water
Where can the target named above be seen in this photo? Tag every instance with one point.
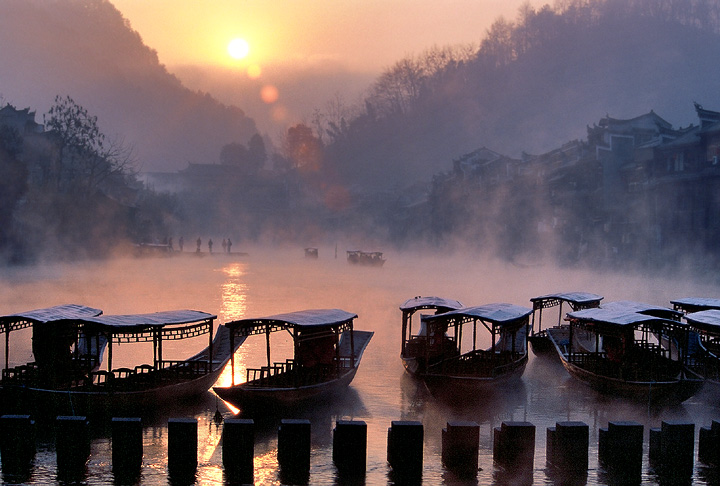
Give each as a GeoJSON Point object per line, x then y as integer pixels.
{"type": "Point", "coordinates": [199, 242]}
{"type": "Point", "coordinates": [210, 245]}
{"type": "Point", "coordinates": [224, 245]}
{"type": "Point", "coordinates": [181, 243]}
{"type": "Point", "coordinates": [229, 244]}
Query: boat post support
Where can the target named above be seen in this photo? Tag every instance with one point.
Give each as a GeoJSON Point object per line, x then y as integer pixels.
{"type": "Point", "coordinates": [709, 444]}
{"type": "Point", "coordinates": [294, 450]}
{"type": "Point", "coordinates": [567, 448]}
{"type": "Point", "coordinates": [514, 447]}
{"type": "Point", "coordinates": [672, 450]}
{"type": "Point", "coordinates": [405, 449]}
{"type": "Point", "coordinates": [182, 448]}
{"type": "Point", "coordinates": [127, 447]}
{"type": "Point", "coordinates": [620, 450]}
{"type": "Point", "coordinates": [460, 447]}
{"type": "Point", "coordinates": [238, 450]}
{"type": "Point", "coordinates": [350, 447]}
{"type": "Point", "coordinates": [72, 445]}
{"type": "Point", "coordinates": [17, 447]}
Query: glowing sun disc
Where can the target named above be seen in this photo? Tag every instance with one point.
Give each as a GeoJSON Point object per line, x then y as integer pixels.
{"type": "Point", "coordinates": [238, 48]}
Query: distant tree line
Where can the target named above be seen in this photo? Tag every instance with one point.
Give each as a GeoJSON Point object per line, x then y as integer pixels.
{"type": "Point", "coordinates": [70, 192]}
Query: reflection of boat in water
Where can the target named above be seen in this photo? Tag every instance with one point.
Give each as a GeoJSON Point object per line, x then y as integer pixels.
{"type": "Point", "coordinates": [575, 300]}
{"type": "Point", "coordinates": [69, 343]}
{"type": "Point", "coordinates": [369, 258]}
{"type": "Point", "coordinates": [411, 354]}
{"type": "Point", "coordinates": [621, 352]}
{"type": "Point", "coordinates": [447, 357]}
{"type": "Point", "coordinates": [326, 356]}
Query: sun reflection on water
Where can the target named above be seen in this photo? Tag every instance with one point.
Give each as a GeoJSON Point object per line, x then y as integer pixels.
{"type": "Point", "coordinates": [234, 306]}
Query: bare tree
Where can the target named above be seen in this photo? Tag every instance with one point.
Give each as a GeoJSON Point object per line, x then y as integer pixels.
{"type": "Point", "coordinates": [86, 157]}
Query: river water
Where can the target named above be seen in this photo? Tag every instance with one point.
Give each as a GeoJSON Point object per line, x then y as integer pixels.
{"type": "Point", "coordinates": [266, 282]}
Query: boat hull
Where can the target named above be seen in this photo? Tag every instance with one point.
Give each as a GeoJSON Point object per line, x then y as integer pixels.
{"type": "Point", "coordinates": [672, 390]}
{"type": "Point", "coordinates": [243, 395]}
{"type": "Point", "coordinates": [17, 398]}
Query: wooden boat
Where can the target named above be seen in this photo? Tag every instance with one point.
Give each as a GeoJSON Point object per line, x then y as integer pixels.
{"type": "Point", "coordinates": [704, 344]}
{"type": "Point", "coordinates": [621, 353]}
{"type": "Point", "coordinates": [575, 301]}
{"type": "Point", "coordinates": [326, 355]}
{"type": "Point", "coordinates": [695, 304]}
{"type": "Point", "coordinates": [69, 345]}
{"type": "Point", "coordinates": [368, 258]}
{"type": "Point", "coordinates": [448, 358]}
{"type": "Point", "coordinates": [412, 353]}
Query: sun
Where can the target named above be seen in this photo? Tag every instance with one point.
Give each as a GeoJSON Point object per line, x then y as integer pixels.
{"type": "Point", "coordinates": [238, 48]}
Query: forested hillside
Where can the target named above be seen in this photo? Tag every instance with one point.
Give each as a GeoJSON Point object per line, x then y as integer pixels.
{"type": "Point", "coordinates": [87, 50]}
{"type": "Point", "coordinates": [533, 84]}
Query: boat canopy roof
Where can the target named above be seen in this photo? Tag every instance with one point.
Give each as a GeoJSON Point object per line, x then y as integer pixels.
{"type": "Point", "coordinates": [643, 308]}
{"type": "Point", "coordinates": [500, 314]}
{"type": "Point", "coordinates": [621, 317]}
{"type": "Point", "coordinates": [706, 320]}
{"type": "Point", "coordinates": [308, 319]}
{"type": "Point", "coordinates": [573, 297]}
{"type": "Point", "coordinates": [696, 303]}
{"type": "Point", "coordinates": [131, 322]}
{"type": "Point", "coordinates": [417, 303]}
{"type": "Point", "coordinates": [51, 314]}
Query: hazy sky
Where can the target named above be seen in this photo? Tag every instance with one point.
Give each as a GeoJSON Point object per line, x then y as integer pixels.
{"type": "Point", "coordinates": [366, 35]}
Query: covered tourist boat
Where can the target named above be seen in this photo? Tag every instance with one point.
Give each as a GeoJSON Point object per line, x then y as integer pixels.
{"type": "Point", "coordinates": [695, 304]}
{"type": "Point", "coordinates": [624, 353]}
{"type": "Point", "coordinates": [448, 355]}
{"type": "Point", "coordinates": [704, 344]}
{"type": "Point", "coordinates": [326, 354]}
{"type": "Point", "coordinates": [575, 301]}
{"type": "Point", "coordinates": [368, 258]}
{"type": "Point", "coordinates": [413, 343]}
{"type": "Point", "coordinates": [73, 368]}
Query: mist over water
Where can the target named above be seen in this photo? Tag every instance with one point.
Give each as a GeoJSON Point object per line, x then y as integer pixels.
{"type": "Point", "coordinates": [270, 281]}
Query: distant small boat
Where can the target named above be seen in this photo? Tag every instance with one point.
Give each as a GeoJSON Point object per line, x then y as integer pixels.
{"type": "Point", "coordinates": [70, 343]}
{"type": "Point", "coordinates": [446, 355]}
{"type": "Point", "coordinates": [311, 253]}
{"type": "Point", "coordinates": [326, 355]}
{"type": "Point", "coordinates": [368, 258]}
{"type": "Point", "coordinates": [624, 353]}
{"type": "Point", "coordinates": [539, 340]}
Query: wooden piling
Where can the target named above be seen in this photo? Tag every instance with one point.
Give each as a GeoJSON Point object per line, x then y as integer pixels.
{"type": "Point", "coordinates": [405, 449]}
{"type": "Point", "coordinates": [620, 450]}
{"type": "Point", "coordinates": [514, 445]}
{"type": "Point", "coordinates": [350, 447]}
{"type": "Point", "coordinates": [72, 446]}
{"type": "Point", "coordinates": [294, 450]}
{"type": "Point", "coordinates": [182, 448]}
{"type": "Point", "coordinates": [460, 446]}
{"type": "Point", "coordinates": [568, 445]}
{"type": "Point", "coordinates": [17, 447]}
{"type": "Point", "coordinates": [127, 447]}
{"type": "Point", "coordinates": [238, 450]}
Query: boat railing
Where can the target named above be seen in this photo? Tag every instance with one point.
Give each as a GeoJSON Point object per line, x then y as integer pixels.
{"type": "Point", "coordinates": [290, 374]}
{"type": "Point", "coordinates": [646, 363]}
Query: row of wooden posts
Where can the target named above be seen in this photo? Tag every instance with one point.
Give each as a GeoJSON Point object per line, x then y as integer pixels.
{"type": "Point", "coordinates": [620, 448]}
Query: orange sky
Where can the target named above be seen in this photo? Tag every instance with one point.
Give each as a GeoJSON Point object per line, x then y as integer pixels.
{"type": "Point", "coordinates": [365, 35]}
